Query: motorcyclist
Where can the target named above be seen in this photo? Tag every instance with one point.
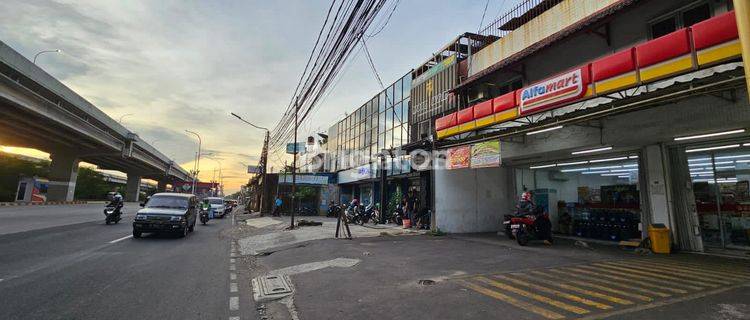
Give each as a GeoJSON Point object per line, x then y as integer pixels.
{"type": "Point", "coordinates": [207, 207]}
{"type": "Point", "coordinates": [525, 204]}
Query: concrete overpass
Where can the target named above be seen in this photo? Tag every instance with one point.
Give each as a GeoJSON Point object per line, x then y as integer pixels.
{"type": "Point", "coordinates": [38, 111]}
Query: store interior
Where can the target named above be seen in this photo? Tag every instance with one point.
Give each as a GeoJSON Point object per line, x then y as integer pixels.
{"type": "Point", "coordinates": [595, 198]}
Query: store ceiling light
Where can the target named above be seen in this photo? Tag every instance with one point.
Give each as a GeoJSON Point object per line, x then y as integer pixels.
{"type": "Point", "coordinates": [724, 167]}
{"type": "Point", "coordinates": [610, 159]}
{"type": "Point", "coordinates": [595, 172]}
{"type": "Point", "coordinates": [607, 167]}
{"type": "Point", "coordinates": [542, 166]}
{"type": "Point", "coordinates": [592, 150]}
{"type": "Point", "coordinates": [574, 170]}
{"type": "Point", "coordinates": [624, 177]}
{"type": "Point", "coordinates": [728, 146]}
{"type": "Point", "coordinates": [611, 174]}
{"type": "Point", "coordinates": [699, 164]}
{"type": "Point", "coordinates": [742, 161]}
{"type": "Point", "coordinates": [733, 157]}
{"type": "Point", "coordinates": [708, 135]}
{"type": "Point", "coordinates": [630, 165]}
{"type": "Point", "coordinates": [571, 163]}
{"type": "Point", "coordinates": [632, 157]}
{"type": "Point", "coordinates": [699, 159]}
{"type": "Point", "coordinates": [624, 170]}
{"type": "Point", "coordinates": [543, 130]}
{"type": "Point", "coordinates": [701, 172]}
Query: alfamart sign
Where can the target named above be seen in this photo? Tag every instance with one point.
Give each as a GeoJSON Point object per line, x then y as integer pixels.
{"type": "Point", "coordinates": [548, 93]}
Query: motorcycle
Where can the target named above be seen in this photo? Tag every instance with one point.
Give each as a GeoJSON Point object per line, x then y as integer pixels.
{"type": "Point", "coordinates": [370, 213]}
{"type": "Point", "coordinates": [112, 213]}
{"type": "Point", "coordinates": [333, 211]}
{"type": "Point", "coordinates": [524, 227]}
{"type": "Point", "coordinates": [353, 214]}
{"type": "Point", "coordinates": [204, 216]}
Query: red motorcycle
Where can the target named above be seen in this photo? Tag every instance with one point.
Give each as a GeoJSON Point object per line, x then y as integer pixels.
{"type": "Point", "coordinates": [525, 227]}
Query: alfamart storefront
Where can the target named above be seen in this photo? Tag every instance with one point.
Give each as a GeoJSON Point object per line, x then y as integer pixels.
{"type": "Point", "coordinates": [653, 134]}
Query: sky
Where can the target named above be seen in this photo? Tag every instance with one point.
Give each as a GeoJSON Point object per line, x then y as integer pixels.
{"type": "Point", "coordinates": [165, 66]}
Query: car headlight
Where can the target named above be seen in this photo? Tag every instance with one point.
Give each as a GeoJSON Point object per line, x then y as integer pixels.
{"type": "Point", "coordinates": [177, 218]}
{"type": "Point", "coordinates": [140, 217]}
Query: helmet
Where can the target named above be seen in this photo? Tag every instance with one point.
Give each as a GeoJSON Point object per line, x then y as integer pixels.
{"type": "Point", "coordinates": [526, 196]}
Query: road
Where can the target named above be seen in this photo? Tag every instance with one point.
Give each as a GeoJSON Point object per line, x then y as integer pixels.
{"type": "Point", "coordinates": [89, 270]}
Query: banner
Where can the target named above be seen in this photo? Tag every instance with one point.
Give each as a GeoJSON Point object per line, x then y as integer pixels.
{"type": "Point", "coordinates": [459, 157]}
{"type": "Point", "coordinates": [485, 154]}
{"type": "Point", "coordinates": [254, 169]}
{"type": "Point", "coordinates": [300, 147]}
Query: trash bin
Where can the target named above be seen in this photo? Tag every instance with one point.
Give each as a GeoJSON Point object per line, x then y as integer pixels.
{"type": "Point", "coordinates": [659, 235]}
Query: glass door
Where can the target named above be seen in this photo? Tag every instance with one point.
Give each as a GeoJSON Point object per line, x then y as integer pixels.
{"type": "Point", "coordinates": [720, 185]}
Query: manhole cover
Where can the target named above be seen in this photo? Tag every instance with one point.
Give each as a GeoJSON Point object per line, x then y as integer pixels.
{"type": "Point", "coordinates": [271, 287]}
{"type": "Point", "coordinates": [426, 282]}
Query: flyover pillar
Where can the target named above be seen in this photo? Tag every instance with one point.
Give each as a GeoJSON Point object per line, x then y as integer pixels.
{"type": "Point", "coordinates": [62, 176]}
{"type": "Point", "coordinates": [161, 186]}
{"type": "Point", "coordinates": [133, 187]}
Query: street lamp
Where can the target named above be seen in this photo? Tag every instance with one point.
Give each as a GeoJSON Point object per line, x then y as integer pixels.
{"type": "Point", "coordinates": [45, 51]}
{"type": "Point", "coordinates": [197, 164]}
{"type": "Point", "coordinates": [123, 116]}
{"type": "Point", "coordinates": [263, 159]}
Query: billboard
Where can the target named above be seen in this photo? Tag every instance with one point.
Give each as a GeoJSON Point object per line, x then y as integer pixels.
{"type": "Point", "coordinates": [459, 157]}
{"type": "Point", "coordinates": [485, 154]}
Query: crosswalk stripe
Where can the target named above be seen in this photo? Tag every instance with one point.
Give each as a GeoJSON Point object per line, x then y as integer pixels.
{"type": "Point", "coordinates": [584, 291]}
{"type": "Point", "coordinates": [512, 301]}
{"type": "Point", "coordinates": [610, 276]}
{"type": "Point", "coordinates": [652, 276]}
{"type": "Point", "coordinates": [556, 293]}
{"type": "Point", "coordinates": [708, 268]}
{"type": "Point", "coordinates": [589, 279]}
{"type": "Point", "coordinates": [540, 298]}
{"type": "Point", "coordinates": [682, 272]}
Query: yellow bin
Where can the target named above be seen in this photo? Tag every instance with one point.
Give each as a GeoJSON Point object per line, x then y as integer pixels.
{"type": "Point", "coordinates": [660, 240]}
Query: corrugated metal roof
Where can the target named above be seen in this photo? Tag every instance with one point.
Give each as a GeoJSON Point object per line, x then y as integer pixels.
{"type": "Point", "coordinates": [560, 35]}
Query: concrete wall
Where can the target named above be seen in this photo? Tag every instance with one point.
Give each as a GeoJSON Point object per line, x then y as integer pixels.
{"type": "Point", "coordinates": [472, 200]}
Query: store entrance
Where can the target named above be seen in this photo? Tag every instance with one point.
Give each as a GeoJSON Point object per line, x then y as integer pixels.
{"type": "Point", "coordinates": [595, 197]}
{"type": "Point", "coordinates": [720, 181]}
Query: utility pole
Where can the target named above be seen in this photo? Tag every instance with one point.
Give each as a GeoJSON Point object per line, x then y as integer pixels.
{"type": "Point", "coordinates": [263, 161]}
{"type": "Point", "coordinates": [294, 164]}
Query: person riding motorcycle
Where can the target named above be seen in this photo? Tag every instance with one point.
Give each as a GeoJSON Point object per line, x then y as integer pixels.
{"type": "Point", "coordinates": [207, 207]}
{"type": "Point", "coordinates": [116, 202]}
{"type": "Point", "coordinates": [526, 204]}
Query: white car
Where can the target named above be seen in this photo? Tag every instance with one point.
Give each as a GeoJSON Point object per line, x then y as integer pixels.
{"type": "Point", "coordinates": [217, 204]}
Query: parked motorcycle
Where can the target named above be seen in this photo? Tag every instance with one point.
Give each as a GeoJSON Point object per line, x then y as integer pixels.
{"type": "Point", "coordinates": [333, 210]}
{"type": "Point", "coordinates": [353, 214]}
{"type": "Point", "coordinates": [525, 227]}
{"type": "Point", "coordinates": [112, 213]}
{"type": "Point", "coordinates": [371, 213]}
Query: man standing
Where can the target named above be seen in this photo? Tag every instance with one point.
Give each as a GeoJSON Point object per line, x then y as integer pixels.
{"type": "Point", "coordinates": [277, 206]}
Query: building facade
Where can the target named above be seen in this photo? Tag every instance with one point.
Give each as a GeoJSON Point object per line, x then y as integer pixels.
{"type": "Point", "coordinates": [616, 114]}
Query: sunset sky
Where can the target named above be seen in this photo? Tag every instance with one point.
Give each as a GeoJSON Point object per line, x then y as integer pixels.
{"type": "Point", "coordinates": [167, 66]}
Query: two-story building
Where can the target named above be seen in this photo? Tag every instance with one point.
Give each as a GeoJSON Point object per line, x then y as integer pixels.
{"type": "Point", "coordinates": [617, 114]}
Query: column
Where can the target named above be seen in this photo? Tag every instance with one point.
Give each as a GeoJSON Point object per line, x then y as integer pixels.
{"type": "Point", "coordinates": [656, 201]}
{"type": "Point", "coordinates": [133, 188]}
{"type": "Point", "coordinates": [161, 186]}
{"type": "Point", "coordinates": [62, 176]}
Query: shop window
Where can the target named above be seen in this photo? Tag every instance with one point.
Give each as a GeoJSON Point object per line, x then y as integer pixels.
{"type": "Point", "coordinates": [696, 14]}
{"type": "Point", "coordinates": [664, 27]}
{"type": "Point", "coordinates": [680, 18]}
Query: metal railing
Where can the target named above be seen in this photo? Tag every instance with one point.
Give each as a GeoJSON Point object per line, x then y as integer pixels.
{"type": "Point", "coordinates": [519, 15]}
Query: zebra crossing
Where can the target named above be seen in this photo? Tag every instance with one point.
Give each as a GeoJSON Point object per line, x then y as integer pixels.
{"type": "Point", "coordinates": [600, 288]}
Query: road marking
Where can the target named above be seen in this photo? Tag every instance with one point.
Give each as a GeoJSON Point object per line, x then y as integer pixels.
{"type": "Point", "coordinates": [232, 276]}
{"type": "Point", "coordinates": [512, 301]}
{"type": "Point", "coordinates": [234, 303]}
{"type": "Point", "coordinates": [586, 292]}
{"type": "Point", "coordinates": [232, 260]}
{"type": "Point", "coordinates": [683, 273]}
{"type": "Point", "coordinates": [556, 293]}
{"type": "Point", "coordinates": [540, 298]}
{"type": "Point", "coordinates": [650, 276]}
{"type": "Point", "coordinates": [123, 238]}
{"type": "Point", "coordinates": [610, 276]}
{"type": "Point", "coordinates": [716, 273]}
{"type": "Point", "coordinates": [603, 288]}
{"type": "Point", "coordinates": [233, 287]}
{"type": "Point", "coordinates": [618, 284]}
{"type": "Point", "coordinates": [234, 318]}
{"type": "Point", "coordinates": [232, 267]}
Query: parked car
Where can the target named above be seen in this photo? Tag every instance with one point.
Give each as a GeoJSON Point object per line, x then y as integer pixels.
{"type": "Point", "coordinates": [218, 206]}
{"type": "Point", "coordinates": [167, 212]}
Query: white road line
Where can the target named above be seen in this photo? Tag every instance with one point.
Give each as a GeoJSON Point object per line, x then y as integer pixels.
{"type": "Point", "coordinates": [234, 303]}
{"type": "Point", "coordinates": [232, 267]}
{"type": "Point", "coordinates": [234, 318]}
{"type": "Point", "coordinates": [232, 260]}
{"type": "Point", "coordinates": [233, 287]}
{"type": "Point", "coordinates": [123, 238]}
{"type": "Point", "coordinates": [232, 276]}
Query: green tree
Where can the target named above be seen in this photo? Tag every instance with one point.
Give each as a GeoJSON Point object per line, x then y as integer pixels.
{"type": "Point", "coordinates": [90, 185]}
{"type": "Point", "coordinates": [12, 168]}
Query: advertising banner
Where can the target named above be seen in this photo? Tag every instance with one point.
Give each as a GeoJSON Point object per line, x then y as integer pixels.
{"type": "Point", "coordinates": [253, 169]}
{"type": "Point", "coordinates": [290, 148]}
{"type": "Point", "coordinates": [485, 154]}
{"type": "Point", "coordinates": [459, 157]}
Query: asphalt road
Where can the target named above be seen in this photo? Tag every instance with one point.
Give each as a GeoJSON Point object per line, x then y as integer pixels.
{"type": "Point", "coordinates": [24, 218]}
{"type": "Point", "coordinates": [91, 270]}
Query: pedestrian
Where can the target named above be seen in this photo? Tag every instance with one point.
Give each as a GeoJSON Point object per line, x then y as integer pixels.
{"type": "Point", "coordinates": [277, 206]}
{"type": "Point", "coordinates": [411, 206]}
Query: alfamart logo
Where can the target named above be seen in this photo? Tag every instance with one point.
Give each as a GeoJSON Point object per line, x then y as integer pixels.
{"type": "Point", "coordinates": [548, 92]}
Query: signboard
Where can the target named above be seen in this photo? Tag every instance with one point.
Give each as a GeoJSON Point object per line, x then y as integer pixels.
{"type": "Point", "coordinates": [553, 91]}
{"type": "Point", "coordinates": [254, 169]}
{"type": "Point", "coordinates": [314, 179]}
{"type": "Point", "coordinates": [458, 157]}
{"type": "Point", "coordinates": [485, 154]}
{"type": "Point", "coordinates": [290, 147]}
{"type": "Point", "coordinates": [356, 174]}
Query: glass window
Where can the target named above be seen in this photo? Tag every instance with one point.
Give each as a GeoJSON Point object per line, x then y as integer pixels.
{"type": "Point", "coordinates": [381, 100]}
{"type": "Point", "coordinates": [397, 137]}
{"type": "Point", "coordinates": [397, 95]}
{"type": "Point", "coordinates": [381, 141]}
{"type": "Point", "coordinates": [406, 106]}
{"type": "Point", "coordinates": [696, 14]}
{"type": "Point", "coordinates": [398, 114]}
{"type": "Point", "coordinates": [389, 139]}
{"type": "Point", "coordinates": [374, 122]}
{"type": "Point", "coordinates": [381, 122]}
{"type": "Point", "coordinates": [389, 119]}
{"type": "Point", "coordinates": [664, 27]}
{"type": "Point", "coordinates": [407, 86]}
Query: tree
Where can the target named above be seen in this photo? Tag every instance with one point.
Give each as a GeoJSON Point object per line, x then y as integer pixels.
{"type": "Point", "coordinates": [12, 168]}
{"type": "Point", "coordinates": [91, 185]}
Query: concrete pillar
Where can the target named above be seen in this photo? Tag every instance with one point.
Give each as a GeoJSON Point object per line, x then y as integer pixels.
{"type": "Point", "coordinates": [655, 195]}
{"type": "Point", "coordinates": [133, 188]}
{"type": "Point", "coordinates": [62, 176]}
{"type": "Point", "coordinates": [161, 186]}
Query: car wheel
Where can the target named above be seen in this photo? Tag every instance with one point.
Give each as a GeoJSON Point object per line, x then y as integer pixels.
{"type": "Point", "coordinates": [106, 221]}
{"type": "Point", "coordinates": [184, 232]}
{"type": "Point", "coordinates": [136, 234]}
{"type": "Point", "coordinates": [191, 228]}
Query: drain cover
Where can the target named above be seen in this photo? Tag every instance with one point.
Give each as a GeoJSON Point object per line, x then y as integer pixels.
{"type": "Point", "coordinates": [271, 287]}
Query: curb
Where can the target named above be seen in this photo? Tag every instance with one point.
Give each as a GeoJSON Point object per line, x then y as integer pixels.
{"type": "Point", "coordinates": [48, 203]}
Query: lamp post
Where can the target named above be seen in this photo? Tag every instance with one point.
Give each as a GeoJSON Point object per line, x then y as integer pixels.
{"type": "Point", "coordinates": [263, 158]}
{"type": "Point", "coordinates": [45, 51]}
{"type": "Point", "coordinates": [197, 164]}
